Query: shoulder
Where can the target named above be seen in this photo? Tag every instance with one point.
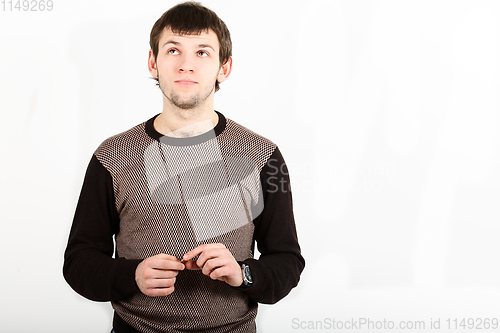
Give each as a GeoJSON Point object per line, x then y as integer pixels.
{"type": "Point", "coordinates": [122, 146]}
{"type": "Point", "coordinates": [237, 140]}
{"type": "Point", "coordinates": [243, 137]}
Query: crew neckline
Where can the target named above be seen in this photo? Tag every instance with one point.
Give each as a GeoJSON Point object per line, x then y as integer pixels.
{"type": "Point", "coordinates": [211, 134]}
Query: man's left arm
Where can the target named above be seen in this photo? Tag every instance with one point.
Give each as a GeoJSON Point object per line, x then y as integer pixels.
{"type": "Point", "coordinates": [280, 264]}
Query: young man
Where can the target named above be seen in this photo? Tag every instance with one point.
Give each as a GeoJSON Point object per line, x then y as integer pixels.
{"type": "Point", "coordinates": [186, 195]}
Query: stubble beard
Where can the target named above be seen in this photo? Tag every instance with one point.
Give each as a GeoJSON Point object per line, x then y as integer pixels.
{"type": "Point", "coordinates": [185, 104]}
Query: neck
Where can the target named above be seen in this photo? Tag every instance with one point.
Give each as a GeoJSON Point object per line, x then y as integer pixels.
{"type": "Point", "coordinates": [183, 123]}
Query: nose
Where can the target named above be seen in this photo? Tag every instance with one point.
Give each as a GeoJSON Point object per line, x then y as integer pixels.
{"type": "Point", "coordinates": [186, 64]}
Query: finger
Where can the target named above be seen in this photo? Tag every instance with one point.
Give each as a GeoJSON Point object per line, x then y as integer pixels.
{"type": "Point", "coordinates": [193, 253]}
{"type": "Point", "coordinates": [162, 274]}
{"type": "Point", "coordinates": [164, 256]}
{"type": "Point", "coordinates": [219, 273]}
{"type": "Point", "coordinates": [159, 283]}
{"type": "Point", "coordinates": [191, 265]}
{"type": "Point", "coordinates": [228, 274]}
{"type": "Point", "coordinates": [213, 264]}
{"type": "Point", "coordinates": [159, 291]}
{"type": "Point", "coordinates": [200, 249]}
{"type": "Point", "coordinates": [170, 263]}
{"type": "Point", "coordinates": [158, 274]}
{"type": "Point", "coordinates": [213, 253]}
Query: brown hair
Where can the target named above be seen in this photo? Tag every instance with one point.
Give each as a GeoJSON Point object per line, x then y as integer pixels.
{"type": "Point", "coordinates": [192, 18]}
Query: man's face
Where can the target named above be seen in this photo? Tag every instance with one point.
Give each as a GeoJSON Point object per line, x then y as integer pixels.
{"type": "Point", "coordinates": [187, 67]}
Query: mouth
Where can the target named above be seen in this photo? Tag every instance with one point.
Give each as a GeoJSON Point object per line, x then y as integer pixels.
{"type": "Point", "coordinates": [186, 82]}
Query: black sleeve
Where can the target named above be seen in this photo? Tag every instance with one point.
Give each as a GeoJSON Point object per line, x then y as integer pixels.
{"type": "Point", "coordinates": [89, 266]}
{"type": "Point", "coordinates": [278, 269]}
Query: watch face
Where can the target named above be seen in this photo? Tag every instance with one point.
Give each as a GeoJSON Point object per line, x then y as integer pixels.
{"type": "Point", "coordinates": [247, 275]}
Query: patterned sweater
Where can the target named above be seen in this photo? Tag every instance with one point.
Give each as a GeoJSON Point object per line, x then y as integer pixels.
{"type": "Point", "coordinates": [158, 194]}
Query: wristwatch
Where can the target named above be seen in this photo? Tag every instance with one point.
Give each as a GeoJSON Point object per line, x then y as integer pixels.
{"type": "Point", "coordinates": [247, 277]}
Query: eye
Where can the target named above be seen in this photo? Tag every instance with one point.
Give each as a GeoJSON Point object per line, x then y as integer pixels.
{"type": "Point", "coordinates": [172, 51]}
{"type": "Point", "coordinates": [202, 54]}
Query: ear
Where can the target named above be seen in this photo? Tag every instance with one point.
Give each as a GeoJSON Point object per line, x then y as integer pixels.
{"type": "Point", "coordinates": [225, 70]}
{"type": "Point", "coordinates": [152, 64]}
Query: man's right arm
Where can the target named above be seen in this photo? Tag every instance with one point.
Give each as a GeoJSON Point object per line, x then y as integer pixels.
{"type": "Point", "coordinates": [89, 266]}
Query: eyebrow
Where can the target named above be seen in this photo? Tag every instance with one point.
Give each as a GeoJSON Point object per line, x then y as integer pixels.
{"type": "Point", "coordinates": [199, 45]}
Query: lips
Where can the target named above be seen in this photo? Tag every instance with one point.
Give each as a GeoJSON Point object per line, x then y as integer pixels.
{"type": "Point", "coordinates": [186, 82]}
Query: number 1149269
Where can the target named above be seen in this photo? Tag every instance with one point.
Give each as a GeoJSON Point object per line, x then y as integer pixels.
{"type": "Point", "coordinates": [27, 5]}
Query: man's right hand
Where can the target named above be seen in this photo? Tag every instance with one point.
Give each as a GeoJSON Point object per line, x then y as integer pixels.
{"type": "Point", "coordinates": [155, 276]}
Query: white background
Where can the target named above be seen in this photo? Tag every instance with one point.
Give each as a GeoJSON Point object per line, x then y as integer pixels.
{"type": "Point", "coordinates": [386, 112]}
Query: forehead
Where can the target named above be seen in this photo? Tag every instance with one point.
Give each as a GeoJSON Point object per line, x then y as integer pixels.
{"type": "Point", "coordinates": [204, 38]}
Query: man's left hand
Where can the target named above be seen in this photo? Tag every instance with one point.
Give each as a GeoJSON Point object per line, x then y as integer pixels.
{"type": "Point", "coordinates": [215, 261]}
